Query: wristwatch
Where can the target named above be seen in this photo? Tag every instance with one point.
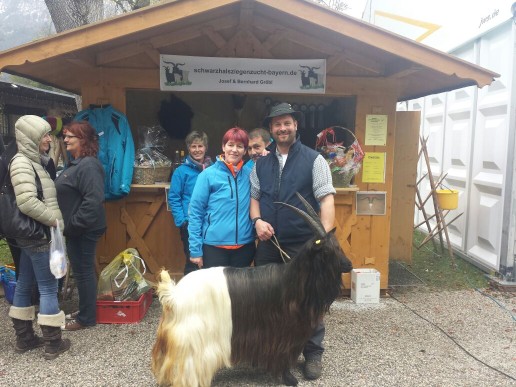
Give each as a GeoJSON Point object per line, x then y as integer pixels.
{"type": "Point", "coordinates": [254, 220]}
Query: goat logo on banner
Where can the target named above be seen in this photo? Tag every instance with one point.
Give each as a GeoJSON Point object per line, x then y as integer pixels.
{"type": "Point", "coordinates": [194, 73]}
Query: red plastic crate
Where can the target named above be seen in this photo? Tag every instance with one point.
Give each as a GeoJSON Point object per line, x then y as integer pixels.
{"type": "Point", "coordinates": [123, 312]}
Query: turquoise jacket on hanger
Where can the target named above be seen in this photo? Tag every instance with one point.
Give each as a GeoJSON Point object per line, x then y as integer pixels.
{"type": "Point", "coordinates": [116, 152]}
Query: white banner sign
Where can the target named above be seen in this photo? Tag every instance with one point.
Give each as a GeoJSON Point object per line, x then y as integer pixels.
{"type": "Point", "coordinates": [192, 73]}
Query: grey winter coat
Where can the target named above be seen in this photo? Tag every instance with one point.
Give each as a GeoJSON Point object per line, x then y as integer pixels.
{"type": "Point", "coordinates": [29, 133]}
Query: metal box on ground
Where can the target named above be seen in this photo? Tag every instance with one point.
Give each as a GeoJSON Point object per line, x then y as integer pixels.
{"type": "Point", "coordinates": [365, 286]}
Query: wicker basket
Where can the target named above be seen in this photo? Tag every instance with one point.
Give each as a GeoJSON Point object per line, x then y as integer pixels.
{"type": "Point", "coordinates": [344, 160]}
{"type": "Point", "coordinates": [150, 175]}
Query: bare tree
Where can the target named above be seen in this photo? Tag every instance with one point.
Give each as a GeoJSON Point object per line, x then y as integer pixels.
{"type": "Point", "coordinates": [337, 5]}
{"type": "Point", "coordinates": [67, 14]}
{"type": "Point", "coordinates": [131, 5]}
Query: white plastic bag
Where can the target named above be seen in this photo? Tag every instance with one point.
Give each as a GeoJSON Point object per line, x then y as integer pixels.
{"type": "Point", "coordinates": [58, 261]}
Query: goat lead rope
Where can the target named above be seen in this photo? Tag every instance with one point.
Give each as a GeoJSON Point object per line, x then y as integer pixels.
{"type": "Point", "coordinates": [283, 253]}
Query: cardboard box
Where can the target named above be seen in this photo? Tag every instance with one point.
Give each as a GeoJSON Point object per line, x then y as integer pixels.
{"type": "Point", "coordinates": [365, 286]}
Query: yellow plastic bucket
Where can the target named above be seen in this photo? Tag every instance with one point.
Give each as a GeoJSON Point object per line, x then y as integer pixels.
{"type": "Point", "coordinates": [448, 198]}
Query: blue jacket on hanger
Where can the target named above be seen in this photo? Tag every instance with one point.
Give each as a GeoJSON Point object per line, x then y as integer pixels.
{"type": "Point", "coordinates": [116, 152]}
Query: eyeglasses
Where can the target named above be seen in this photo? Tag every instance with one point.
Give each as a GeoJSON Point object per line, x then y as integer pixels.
{"type": "Point", "coordinates": [69, 136]}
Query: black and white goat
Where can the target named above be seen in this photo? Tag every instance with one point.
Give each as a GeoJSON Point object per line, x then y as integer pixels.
{"type": "Point", "coordinates": [260, 317]}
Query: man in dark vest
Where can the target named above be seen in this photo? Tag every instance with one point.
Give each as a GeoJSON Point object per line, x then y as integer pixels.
{"type": "Point", "coordinates": [290, 167]}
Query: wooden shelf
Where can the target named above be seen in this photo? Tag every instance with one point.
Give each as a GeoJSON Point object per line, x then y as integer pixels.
{"type": "Point", "coordinates": [341, 191]}
{"type": "Point", "coordinates": [150, 187]}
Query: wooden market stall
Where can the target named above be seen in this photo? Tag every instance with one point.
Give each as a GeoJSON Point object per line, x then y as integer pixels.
{"type": "Point", "coordinates": [368, 70]}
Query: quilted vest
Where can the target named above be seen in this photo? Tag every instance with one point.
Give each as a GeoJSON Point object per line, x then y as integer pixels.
{"type": "Point", "coordinates": [296, 177]}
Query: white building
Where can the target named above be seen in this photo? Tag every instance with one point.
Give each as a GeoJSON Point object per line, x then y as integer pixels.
{"type": "Point", "coordinates": [471, 131]}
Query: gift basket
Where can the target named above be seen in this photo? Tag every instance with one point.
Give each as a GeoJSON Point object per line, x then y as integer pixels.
{"type": "Point", "coordinates": [122, 279]}
{"type": "Point", "coordinates": [150, 164]}
{"type": "Point", "coordinates": [344, 160]}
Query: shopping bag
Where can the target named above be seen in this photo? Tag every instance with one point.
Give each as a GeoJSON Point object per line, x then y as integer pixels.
{"type": "Point", "coordinates": [58, 261]}
{"type": "Point", "coordinates": [122, 279]}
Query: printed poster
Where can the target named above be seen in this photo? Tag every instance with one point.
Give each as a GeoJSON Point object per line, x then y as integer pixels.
{"type": "Point", "coordinates": [192, 73]}
{"type": "Point", "coordinates": [373, 167]}
{"type": "Point", "coordinates": [376, 129]}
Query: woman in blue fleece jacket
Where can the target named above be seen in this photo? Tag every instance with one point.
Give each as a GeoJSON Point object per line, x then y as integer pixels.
{"type": "Point", "coordinates": [182, 185]}
{"type": "Point", "coordinates": [221, 232]}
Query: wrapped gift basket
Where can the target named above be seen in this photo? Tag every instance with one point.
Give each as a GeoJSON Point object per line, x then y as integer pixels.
{"type": "Point", "coordinates": [343, 157]}
{"type": "Point", "coordinates": [150, 164]}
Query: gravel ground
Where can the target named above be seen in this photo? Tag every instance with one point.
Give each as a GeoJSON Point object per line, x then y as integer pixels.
{"type": "Point", "coordinates": [414, 338]}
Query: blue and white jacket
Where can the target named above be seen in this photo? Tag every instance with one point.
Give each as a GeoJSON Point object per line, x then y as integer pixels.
{"type": "Point", "coordinates": [116, 151]}
{"type": "Point", "coordinates": [181, 188]}
{"type": "Point", "coordinates": [219, 209]}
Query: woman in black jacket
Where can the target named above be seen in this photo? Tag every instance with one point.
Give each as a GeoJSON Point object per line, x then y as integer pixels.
{"type": "Point", "coordinates": [80, 193]}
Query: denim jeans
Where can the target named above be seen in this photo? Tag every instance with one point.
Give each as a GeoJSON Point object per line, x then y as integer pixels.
{"type": "Point", "coordinates": [35, 268]}
{"type": "Point", "coordinates": [81, 252]}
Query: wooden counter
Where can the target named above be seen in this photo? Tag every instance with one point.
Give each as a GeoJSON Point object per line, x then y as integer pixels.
{"type": "Point", "coordinates": [345, 220]}
{"type": "Point", "coordinates": [141, 220]}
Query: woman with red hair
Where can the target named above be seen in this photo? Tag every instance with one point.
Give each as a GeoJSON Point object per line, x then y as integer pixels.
{"type": "Point", "coordinates": [80, 193]}
{"type": "Point", "coordinates": [220, 230]}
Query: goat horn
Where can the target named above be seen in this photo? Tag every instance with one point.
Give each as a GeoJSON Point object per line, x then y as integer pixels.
{"type": "Point", "coordinates": [309, 209]}
{"type": "Point", "coordinates": [317, 227]}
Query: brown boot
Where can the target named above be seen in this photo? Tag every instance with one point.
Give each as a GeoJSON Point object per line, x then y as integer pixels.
{"type": "Point", "coordinates": [51, 328]}
{"type": "Point", "coordinates": [22, 322]}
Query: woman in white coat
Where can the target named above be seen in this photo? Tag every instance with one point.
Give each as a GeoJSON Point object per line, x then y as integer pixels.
{"type": "Point", "coordinates": [33, 134]}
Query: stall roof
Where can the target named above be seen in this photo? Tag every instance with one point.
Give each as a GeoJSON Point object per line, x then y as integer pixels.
{"type": "Point", "coordinates": [124, 50]}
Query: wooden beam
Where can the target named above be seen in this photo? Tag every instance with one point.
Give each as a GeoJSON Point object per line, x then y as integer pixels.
{"type": "Point", "coordinates": [361, 61]}
{"type": "Point", "coordinates": [343, 86]}
{"type": "Point", "coordinates": [402, 73]}
{"type": "Point", "coordinates": [325, 48]}
{"type": "Point", "coordinates": [125, 78]}
{"type": "Point", "coordinates": [109, 30]}
{"type": "Point", "coordinates": [216, 38]}
{"type": "Point", "coordinates": [296, 36]}
{"type": "Point", "coordinates": [80, 63]}
{"type": "Point", "coordinates": [156, 42]}
{"type": "Point", "coordinates": [332, 62]}
{"type": "Point", "coordinates": [244, 44]}
{"type": "Point", "coordinates": [308, 12]}
{"type": "Point", "coordinates": [246, 14]}
{"type": "Point", "coordinates": [274, 38]}
{"type": "Point", "coordinates": [184, 34]}
{"type": "Point", "coordinates": [119, 53]}
{"type": "Point", "coordinates": [153, 54]}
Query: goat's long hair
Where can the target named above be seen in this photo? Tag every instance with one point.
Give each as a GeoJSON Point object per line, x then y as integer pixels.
{"type": "Point", "coordinates": [194, 335]}
{"type": "Point", "coordinates": [276, 308]}
{"type": "Point", "coordinates": [261, 317]}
